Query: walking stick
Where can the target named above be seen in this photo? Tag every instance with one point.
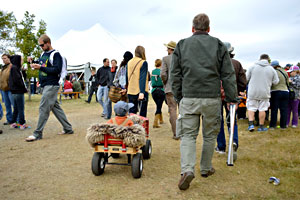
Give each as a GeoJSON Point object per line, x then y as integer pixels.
{"type": "Point", "coordinates": [232, 120]}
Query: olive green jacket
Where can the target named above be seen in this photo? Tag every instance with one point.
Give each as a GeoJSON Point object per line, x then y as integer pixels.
{"type": "Point", "coordinates": [199, 64]}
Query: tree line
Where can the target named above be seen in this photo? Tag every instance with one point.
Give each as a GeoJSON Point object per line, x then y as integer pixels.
{"type": "Point", "coordinates": [21, 37]}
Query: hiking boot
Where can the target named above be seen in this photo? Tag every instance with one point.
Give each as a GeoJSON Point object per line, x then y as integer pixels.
{"type": "Point", "coordinates": [219, 151]}
{"type": "Point", "coordinates": [185, 180]}
{"type": "Point", "coordinates": [209, 173]}
{"type": "Point", "coordinates": [155, 123]}
{"type": "Point", "coordinates": [251, 128]}
{"type": "Point", "coordinates": [262, 129]}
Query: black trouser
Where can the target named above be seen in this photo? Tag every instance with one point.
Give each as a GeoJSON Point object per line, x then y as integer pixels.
{"type": "Point", "coordinates": [158, 96]}
{"type": "Point", "coordinates": [137, 104]}
{"type": "Point", "coordinates": [92, 90]}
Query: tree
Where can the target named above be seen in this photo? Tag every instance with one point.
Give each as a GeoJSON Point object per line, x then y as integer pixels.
{"type": "Point", "coordinates": [27, 40]}
{"type": "Point", "coordinates": [7, 24]}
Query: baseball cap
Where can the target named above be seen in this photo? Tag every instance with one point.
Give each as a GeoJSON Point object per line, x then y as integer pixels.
{"type": "Point", "coordinates": [274, 63]}
{"type": "Point", "coordinates": [121, 108]}
{"type": "Point", "coordinates": [293, 68]}
{"type": "Point", "coordinates": [229, 47]}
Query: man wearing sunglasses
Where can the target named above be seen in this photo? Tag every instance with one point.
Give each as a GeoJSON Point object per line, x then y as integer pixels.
{"type": "Point", "coordinates": [49, 75]}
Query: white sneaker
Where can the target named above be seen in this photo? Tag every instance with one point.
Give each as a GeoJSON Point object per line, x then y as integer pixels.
{"type": "Point", "coordinates": [294, 126]}
{"type": "Point", "coordinates": [219, 151]}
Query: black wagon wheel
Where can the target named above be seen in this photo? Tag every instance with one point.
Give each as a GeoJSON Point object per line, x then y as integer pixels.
{"type": "Point", "coordinates": [147, 150]}
{"type": "Point", "coordinates": [137, 165]}
{"type": "Point", "coordinates": [98, 163]}
{"type": "Point", "coordinates": [115, 155]}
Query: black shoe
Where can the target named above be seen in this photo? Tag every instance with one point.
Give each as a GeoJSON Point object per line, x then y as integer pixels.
{"type": "Point", "coordinates": [209, 173]}
{"type": "Point", "coordinates": [1, 131]}
{"type": "Point", "coordinates": [87, 101]}
{"type": "Point", "coordinates": [185, 180]}
{"type": "Point", "coordinates": [7, 123]}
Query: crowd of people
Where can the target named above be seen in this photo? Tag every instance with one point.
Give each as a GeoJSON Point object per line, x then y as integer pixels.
{"type": "Point", "coordinates": [198, 80]}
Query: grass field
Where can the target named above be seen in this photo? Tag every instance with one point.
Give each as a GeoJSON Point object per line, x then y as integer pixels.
{"type": "Point", "coordinates": [59, 166]}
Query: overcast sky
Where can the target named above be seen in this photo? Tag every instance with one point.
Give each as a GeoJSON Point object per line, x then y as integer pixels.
{"type": "Point", "coordinates": [253, 27]}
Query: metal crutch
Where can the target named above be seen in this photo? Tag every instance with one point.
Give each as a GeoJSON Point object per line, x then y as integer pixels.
{"type": "Point", "coordinates": [232, 120]}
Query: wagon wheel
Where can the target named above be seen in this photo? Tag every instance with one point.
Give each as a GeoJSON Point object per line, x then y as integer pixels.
{"type": "Point", "coordinates": [115, 155]}
{"type": "Point", "coordinates": [137, 165]}
{"type": "Point", "coordinates": [98, 164]}
{"type": "Point", "coordinates": [147, 150]}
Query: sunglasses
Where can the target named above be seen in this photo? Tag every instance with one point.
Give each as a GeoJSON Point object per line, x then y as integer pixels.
{"type": "Point", "coordinates": [41, 45]}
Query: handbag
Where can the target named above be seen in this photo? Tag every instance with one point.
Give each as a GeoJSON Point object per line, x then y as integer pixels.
{"type": "Point", "coordinates": [292, 94]}
{"type": "Point", "coordinates": [114, 93]}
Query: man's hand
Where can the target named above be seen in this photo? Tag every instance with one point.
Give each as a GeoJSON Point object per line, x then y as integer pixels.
{"type": "Point", "coordinates": [141, 96]}
{"type": "Point", "coordinates": [35, 66]}
{"type": "Point", "coordinates": [123, 91]}
{"type": "Point", "coordinates": [236, 105]}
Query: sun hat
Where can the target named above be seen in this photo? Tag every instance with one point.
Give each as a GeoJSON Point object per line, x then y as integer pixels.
{"type": "Point", "coordinates": [274, 63]}
{"type": "Point", "coordinates": [171, 45]}
{"type": "Point", "coordinates": [121, 108]}
{"type": "Point", "coordinates": [293, 68]}
{"type": "Point", "coordinates": [229, 47]}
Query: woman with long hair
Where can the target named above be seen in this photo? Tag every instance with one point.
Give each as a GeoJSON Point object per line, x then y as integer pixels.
{"type": "Point", "coordinates": [120, 79]}
{"type": "Point", "coordinates": [137, 71]}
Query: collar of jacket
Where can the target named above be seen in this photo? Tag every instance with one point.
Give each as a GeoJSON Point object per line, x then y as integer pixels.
{"type": "Point", "coordinates": [200, 33]}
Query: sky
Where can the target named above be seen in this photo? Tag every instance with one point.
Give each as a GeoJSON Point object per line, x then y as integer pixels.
{"type": "Point", "coordinates": [80, 29]}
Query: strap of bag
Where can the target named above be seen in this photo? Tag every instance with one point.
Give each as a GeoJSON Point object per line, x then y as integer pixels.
{"type": "Point", "coordinates": [284, 77]}
{"type": "Point", "coordinates": [125, 121]}
{"type": "Point", "coordinates": [133, 70]}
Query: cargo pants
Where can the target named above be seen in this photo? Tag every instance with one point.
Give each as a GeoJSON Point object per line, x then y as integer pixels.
{"type": "Point", "coordinates": [191, 110]}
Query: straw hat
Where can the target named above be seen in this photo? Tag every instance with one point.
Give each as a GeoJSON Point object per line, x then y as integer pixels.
{"type": "Point", "coordinates": [171, 45]}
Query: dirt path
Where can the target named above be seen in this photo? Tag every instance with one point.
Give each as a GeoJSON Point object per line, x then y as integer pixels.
{"type": "Point", "coordinates": [58, 167]}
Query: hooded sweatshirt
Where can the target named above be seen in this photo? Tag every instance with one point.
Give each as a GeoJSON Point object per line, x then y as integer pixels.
{"type": "Point", "coordinates": [261, 76]}
{"type": "Point", "coordinates": [16, 80]}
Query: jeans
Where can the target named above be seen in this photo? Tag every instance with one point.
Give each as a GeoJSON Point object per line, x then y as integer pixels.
{"type": "Point", "coordinates": [279, 100]}
{"type": "Point", "coordinates": [109, 109]}
{"type": "Point", "coordinates": [140, 106]}
{"type": "Point", "coordinates": [159, 97]}
{"type": "Point", "coordinates": [293, 107]}
{"type": "Point", "coordinates": [8, 101]}
{"type": "Point", "coordinates": [103, 93]}
{"type": "Point", "coordinates": [221, 136]}
{"type": "Point", "coordinates": [91, 92]}
{"type": "Point", "coordinates": [19, 105]}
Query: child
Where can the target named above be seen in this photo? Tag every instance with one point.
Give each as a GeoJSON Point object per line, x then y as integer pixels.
{"type": "Point", "coordinates": [121, 109]}
{"type": "Point", "coordinates": [294, 103]}
{"type": "Point", "coordinates": [17, 88]}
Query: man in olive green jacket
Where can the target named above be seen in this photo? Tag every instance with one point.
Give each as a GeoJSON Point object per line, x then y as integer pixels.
{"type": "Point", "coordinates": [199, 64]}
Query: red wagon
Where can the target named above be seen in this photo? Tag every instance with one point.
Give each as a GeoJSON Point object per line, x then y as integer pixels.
{"type": "Point", "coordinates": [113, 147]}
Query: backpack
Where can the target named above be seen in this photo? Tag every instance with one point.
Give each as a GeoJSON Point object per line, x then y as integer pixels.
{"type": "Point", "coordinates": [64, 71]}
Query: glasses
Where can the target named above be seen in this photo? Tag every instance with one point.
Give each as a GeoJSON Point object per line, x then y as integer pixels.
{"type": "Point", "coordinates": [41, 45]}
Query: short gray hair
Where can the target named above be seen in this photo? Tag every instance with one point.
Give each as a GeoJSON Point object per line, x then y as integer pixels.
{"type": "Point", "coordinates": [201, 22]}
